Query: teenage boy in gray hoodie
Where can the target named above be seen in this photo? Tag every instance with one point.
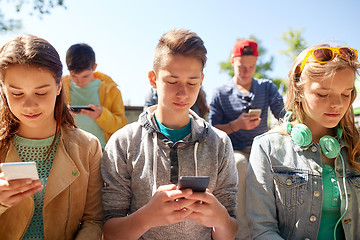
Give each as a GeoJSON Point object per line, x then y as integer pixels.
{"type": "Point", "coordinates": [143, 161]}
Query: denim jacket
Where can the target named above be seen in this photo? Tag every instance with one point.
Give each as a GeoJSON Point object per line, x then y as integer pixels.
{"type": "Point", "coordinates": [284, 189]}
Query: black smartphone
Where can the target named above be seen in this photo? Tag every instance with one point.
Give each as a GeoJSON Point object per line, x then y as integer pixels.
{"type": "Point", "coordinates": [77, 109]}
{"type": "Point", "coordinates": [196, 183]}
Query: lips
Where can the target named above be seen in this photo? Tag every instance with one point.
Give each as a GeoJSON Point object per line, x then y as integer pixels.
{"type": "Point", "coordinates": [333, 115]}
{"type": "Point", "coordinates": [32, 116]}
{"type": "Point", "coordinates": [180, 104]}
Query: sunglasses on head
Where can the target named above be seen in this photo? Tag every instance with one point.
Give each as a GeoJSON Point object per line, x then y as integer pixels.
{"type": "Point", "coordinates": [327, 54]}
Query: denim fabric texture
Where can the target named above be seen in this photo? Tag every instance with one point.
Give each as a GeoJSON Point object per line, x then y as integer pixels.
{"type": "Point", "coordinates": [284, 189]}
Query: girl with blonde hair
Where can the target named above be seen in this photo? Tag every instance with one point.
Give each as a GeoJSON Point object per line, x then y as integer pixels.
{"type": "Point", "coordinates": [303, 180]}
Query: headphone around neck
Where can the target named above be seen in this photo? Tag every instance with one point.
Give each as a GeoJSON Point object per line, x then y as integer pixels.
{"type": "Point", "coordinates": [301, 135]}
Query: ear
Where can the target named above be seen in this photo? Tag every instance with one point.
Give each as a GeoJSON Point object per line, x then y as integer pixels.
{"type": "Point", "coordinates": [152, 78]}
{"type": "Point", "coordinates": [59, 87]}
{"type": "Point", "coordinates": [94, 68]}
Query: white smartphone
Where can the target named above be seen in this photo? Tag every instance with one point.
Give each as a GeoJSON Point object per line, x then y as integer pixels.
{"type": "Point", "coordinates": [255, 112]}
{"type": "Point", "coordinates": [19, 170]}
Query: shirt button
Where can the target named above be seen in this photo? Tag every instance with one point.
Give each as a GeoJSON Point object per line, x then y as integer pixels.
{"type": "Point", "coordinates": [343, 196]}
{"type": "Point", "coordinates": [347, 220]}
{"type": "Point", "coordinates": [316, 193]}
{"type": "Point", "coordinates": [288, 182]}
{"type": "Point", "coordinates": [313, 148]}
{"type": "Point", "coordinates": [312, 218]}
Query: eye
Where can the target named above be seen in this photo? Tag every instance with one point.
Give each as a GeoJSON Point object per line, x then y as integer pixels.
{"type": "Point", "coordinates": [192, 84]}
{"type": "Point", "coordinates": [323, 95]}
{"type": "Point", "coordinates": [346, 95]}
{"type": "Point", "coordinates": [171, 82]}
{"type": "Point", "coordinates": [17, 94]}
{"type": "Point", "coordinates": [41, 94]}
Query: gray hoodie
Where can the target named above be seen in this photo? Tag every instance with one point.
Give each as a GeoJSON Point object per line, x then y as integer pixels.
{"type": "Point", "coordinates": [137, 160]}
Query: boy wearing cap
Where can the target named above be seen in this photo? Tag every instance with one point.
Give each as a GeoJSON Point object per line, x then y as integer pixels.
{"type": "Point", "coordinates": [229, 112]}
{"type": "Point", "coordinates": [143, 161]}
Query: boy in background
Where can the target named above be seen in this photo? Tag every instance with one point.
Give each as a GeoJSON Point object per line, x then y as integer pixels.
{"type": "Point", "coordinates": [84, 86]}
{"type": "Point", "coordinates": [143, 161]}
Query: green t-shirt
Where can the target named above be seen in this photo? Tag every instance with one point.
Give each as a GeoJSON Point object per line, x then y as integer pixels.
{"type": "Point", "coordinates": [331, 206]}
{"type": "Point", "coordinates": [37, 151]}
{"type": "Point", "coordinates": [85, 96]}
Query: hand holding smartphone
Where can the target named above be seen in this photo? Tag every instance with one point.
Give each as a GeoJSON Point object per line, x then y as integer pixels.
{"type": "Point", "coordinates": [196, 183]}
{"type": "Point", "coordinates": [19, 170]}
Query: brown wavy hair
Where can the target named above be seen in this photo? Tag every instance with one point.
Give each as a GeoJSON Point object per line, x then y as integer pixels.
{"type": "Point", "coordinates": [32, 51]}
{"type": "Point", "coordinates": [315, 70]}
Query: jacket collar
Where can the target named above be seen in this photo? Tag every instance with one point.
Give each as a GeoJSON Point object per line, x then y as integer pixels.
{"type": "Point", "coordinates": [199, 127]}
{"type": "Point", "coordinates": [63, 171]}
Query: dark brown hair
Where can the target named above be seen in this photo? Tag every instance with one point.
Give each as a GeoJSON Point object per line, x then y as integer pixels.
{"type": "Point", "coordinates": [32, 51]}
{"type": "Point", "coordinates": [80, 57]}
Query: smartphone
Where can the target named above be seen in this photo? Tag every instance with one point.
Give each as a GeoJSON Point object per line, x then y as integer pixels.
{"type": "Point", "coordinates": [255, 112]}
{"type": "Point", "coordinates": [196, 183]}
{"type": "Point", "coordinates": [77, 109]}
{"type": "Point", "coordinates": [19, 170]}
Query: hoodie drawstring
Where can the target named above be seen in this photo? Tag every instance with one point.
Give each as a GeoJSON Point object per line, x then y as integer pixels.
{"type": "Point", "coordinates": [156, 159]}
{"type": "Point", "coordinates": [155, 163]}
{"type": "Point", "coordinates": [195, 157]}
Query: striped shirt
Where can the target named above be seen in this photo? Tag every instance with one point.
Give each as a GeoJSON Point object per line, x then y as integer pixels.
{"type": "Point", "coordinates": [228, 103]}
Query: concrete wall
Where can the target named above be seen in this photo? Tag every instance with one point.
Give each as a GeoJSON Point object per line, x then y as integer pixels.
{"type": "Point", "coordinates": [132, 113]}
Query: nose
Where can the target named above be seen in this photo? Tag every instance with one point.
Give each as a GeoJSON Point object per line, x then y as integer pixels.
{"type": "Point", "coordinates": [181, 91]}
{"type": "Point", "coordinates": [336, 101]}
{"type": "Point", "coordinates": [30, 103]}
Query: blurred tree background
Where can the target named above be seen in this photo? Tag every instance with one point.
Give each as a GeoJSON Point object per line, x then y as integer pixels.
{"type": "Point", "coordinates": [37, 7]}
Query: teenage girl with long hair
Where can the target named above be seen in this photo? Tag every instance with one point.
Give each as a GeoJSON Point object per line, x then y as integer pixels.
{"type": "Point", "coordinates": [303, 179]}
{"type": "Point", "coordinates": [65, 203]}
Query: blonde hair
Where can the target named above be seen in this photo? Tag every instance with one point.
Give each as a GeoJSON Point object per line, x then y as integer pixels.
{"type": "Point", "coordinates": [179, 42]}
{"type": "Point", "coordinates": [316, 71]}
